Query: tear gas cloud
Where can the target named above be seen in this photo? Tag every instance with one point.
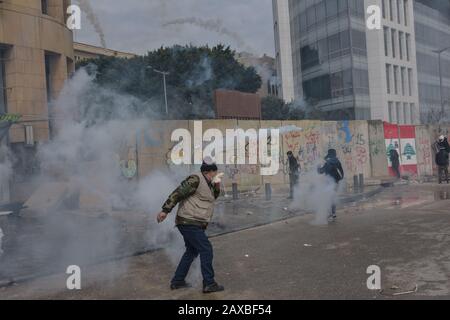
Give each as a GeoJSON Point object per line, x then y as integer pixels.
{"type": "Point", "coordinates": [316, 193]}
{"type": "Point", "coordinates": [83, 207]}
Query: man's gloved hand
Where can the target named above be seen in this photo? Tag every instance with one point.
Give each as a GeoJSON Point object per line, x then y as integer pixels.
{"type": "Point", "coordinates": [218, 178]}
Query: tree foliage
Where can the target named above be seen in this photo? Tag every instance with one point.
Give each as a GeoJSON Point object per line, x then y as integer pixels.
{"type": "Point", "coordinates": [194, 74]}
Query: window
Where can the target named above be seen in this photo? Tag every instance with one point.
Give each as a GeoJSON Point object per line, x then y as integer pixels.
{"type": "Point", "coordinates": [357, 8]}
{"type": "Point", "coordinates": [361, 81]}
{"type": "Point", "coordinates": [337, 84]}
{"type": "Point", "coordinates": [405, 10]}
{"type": "Point", "coordinates": [393, 36]}
{"type": "Point", "coordinates": [320, 11]}
{"type": "Point", "coordinates": [359, 42]}
{"type": "Point", "coordinates": [309, 56]}
{"type": "Point", "coordinates": [323, 50]}
{"type": "Point", "coordinates": [399, 111]}
{"type": "Point", "coordinates": [302, 22]}
{"type": "Point", "coordinates": [3, 108]}
{"type": "Point", "coordinates": [396, 79]}
{"type": "Point", "coordinates": [413, 113]}
{"type": "Point", "coordinates": [391, 9]}
{"type": "Point", "coordinates": [408, 44]}
{"type": "Point", "coordinates": [348, 82]}
{"type": "Point", "coordinates": [388, 78]}
{"type": "Point", "coordinates": [403, 75]}
{"type": "Point", "coordinates": [386, 41]}
{"type": "Point", "coordinates": [410, 79]}
{"type": "Point", "coordinates": [48, 77]}
{"type": "Point", "coordinates": [383, 8]}
{"type": "Point", "coordinates": [392, 117]}
{"type": "Point", "coordinates": [332, 8]}
{"type": "Point", "coordinates": [400, 44]}
{"type": "Point", "coordinates": [407, 113]}
{"type": "Point", "coordinates": [311, 16]}
{"type": "Point", "coordinates": [399, 20]}
{"type": "Point", "coordinates": [345, 41]}
{"type": "Point", "coordinates": [44, 6]}
{"type": "Point", "coordinates": [318, 88]}
{"type": "Point", "coordinates": [342, 5]}
{"type": "Point", "coordinates": [334, 45]}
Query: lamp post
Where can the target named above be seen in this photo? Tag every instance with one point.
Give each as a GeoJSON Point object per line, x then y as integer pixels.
{"type": "Point", "coordinates": [439, 52]}
{"type": "Point", "coordinates": [164, 74]}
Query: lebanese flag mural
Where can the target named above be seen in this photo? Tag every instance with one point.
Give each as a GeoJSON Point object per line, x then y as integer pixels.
{"type": "Point", "coordinates": [402, 139]}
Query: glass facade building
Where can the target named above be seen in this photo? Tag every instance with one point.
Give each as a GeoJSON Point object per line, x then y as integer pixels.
{"type": "Point", "coordinates": [432, 25]}
{"type": "Point", "coordinates": [330, 56]}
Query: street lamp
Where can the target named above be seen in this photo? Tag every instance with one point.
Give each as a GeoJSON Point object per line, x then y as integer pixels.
{"type": "Point", "coordinates": [164, 74]}
{"type": "Point", "coordinates": [439, 52]}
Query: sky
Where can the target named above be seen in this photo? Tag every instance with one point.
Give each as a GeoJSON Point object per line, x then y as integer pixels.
{"type": "Point", "coordinates": [137, 26]}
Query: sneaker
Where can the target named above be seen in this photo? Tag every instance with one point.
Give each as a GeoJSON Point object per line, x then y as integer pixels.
{"type": "Point", "coordinates": [215, 287]}
{"type": "Point", "coordinates": [180, 285]}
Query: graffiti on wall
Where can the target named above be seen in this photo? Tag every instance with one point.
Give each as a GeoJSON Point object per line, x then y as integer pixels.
{"type": "Point", "coordinates": [353, 147]}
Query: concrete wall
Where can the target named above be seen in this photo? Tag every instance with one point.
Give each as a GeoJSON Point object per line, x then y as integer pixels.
{"type": "Point", "coordinates": [377, 147]}
{"type": "Point", "coordinates": [360, 146]}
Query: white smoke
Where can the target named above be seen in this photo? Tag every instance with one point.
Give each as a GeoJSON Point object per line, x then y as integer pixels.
{"type": "Point", "coordinates": [202, 73]}
{"type": "Point", "coordinates": [316, 193]}
{"type": "Point", "coordinates": [81, 166]}
{"type": "Point", "coordinates": [5, 174]}
{"type": "Point", "coordinates": [164, 234]}
{"type": "Point", "coordinates": [86, 7]}
{"type": "Point", "coordinates": [214, 25]}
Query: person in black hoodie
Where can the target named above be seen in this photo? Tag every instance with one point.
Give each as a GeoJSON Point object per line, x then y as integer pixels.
{"type": "Point", "coordinates": [395, 160]}
{"type": "Point", "coordinates": [442, 158]}
{"type": "Point", "coordinates": [294, 173]}
{"type": "Point", "coordinates": [333, 168]}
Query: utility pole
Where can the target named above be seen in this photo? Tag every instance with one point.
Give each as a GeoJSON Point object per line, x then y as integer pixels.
{"type": "Point", "coordinates": [164, 74]}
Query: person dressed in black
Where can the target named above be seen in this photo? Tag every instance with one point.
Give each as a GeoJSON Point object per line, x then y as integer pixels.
{"type": "Point", "coordinates": [294, 173]}
{"type": "Point", "coordinates": [395, 160]}
{"type": "Point", "coordinates": [442, 158]}
{"type": "Point", "coordinates": [333, 168]}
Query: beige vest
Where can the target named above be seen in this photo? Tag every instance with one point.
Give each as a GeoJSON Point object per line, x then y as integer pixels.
{"type": "Point", "coordinates": [199, 206]}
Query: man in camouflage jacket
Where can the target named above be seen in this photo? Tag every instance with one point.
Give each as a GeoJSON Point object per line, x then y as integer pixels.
{"type": "Point", "coordinates": [196, 196]}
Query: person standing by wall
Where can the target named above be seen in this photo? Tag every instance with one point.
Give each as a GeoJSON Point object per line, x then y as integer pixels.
{"type": "Point", "coordinates": [294, 173]}
{"type": "Point", "coordinates": [442, 158]}
{"type": "Point", "coordinates": [395, 160]}
{"type": "Point", "coordinates": [196, 196]}
{"type": "Point", "coordinates": [333, 169]}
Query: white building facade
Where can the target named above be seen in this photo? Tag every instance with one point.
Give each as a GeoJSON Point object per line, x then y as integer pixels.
{"type": "Point", "coordinates": [283, 51]}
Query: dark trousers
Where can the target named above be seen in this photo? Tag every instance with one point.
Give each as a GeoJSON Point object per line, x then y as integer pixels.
{"type": "Point", "coordinates": [396, 168]}
{"type": "Point", "coordinates": [293, 181]}
{"type": "Point", "coordinates": [443, 174]}
{"type": "Point", "coordinates": [333, 205]}
{"type": "Point", "coordinates": [197, 243]}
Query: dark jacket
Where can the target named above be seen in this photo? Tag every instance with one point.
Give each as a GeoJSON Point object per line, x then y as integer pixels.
{"type": "Point", "coordinates": [442, 152]}
{"type": "Point", "coordinates": [294, 167]}
{"type": "Point", "coordinates": [333, 168]}
{"type": "Point", "coordinates": [394, 157]}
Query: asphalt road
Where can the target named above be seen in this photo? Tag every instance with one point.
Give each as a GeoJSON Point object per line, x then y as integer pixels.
{"type": "Point", "coordinates": [405, 231]}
